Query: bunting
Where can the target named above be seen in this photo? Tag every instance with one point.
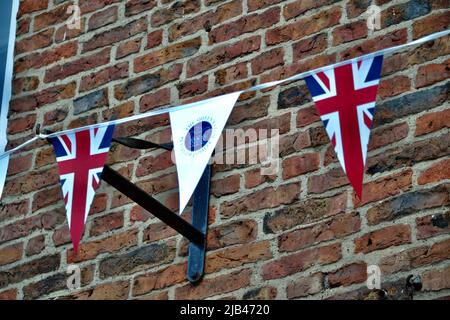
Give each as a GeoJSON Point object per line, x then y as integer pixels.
{"type": "Point", "coordinates": [195, 133]}
{"type": "Point", "coordinates": [81, 157]}
{"type": "Point", "coordinates": [345, 99]}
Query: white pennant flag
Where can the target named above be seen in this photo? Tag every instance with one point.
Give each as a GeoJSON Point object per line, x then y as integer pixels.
{"type": "Point", "coordinates": [195, 133]}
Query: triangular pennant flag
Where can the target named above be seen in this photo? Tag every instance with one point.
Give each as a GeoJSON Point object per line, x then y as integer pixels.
{"type": "Point", "coordinates": [81, 157]}
{"type": "Point", "coordinates": [195, 133]}
{"type": "Point", "coordinates": [345, 99]}
{"type": "Point", "coordinates": [3, 170]}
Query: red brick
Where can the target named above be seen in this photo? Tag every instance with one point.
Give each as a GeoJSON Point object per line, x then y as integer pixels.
{"type": "Point", "coordinates": [104, 76]}
{"type": "Point", "coordinates": [357, 7]}
{"type": "Point", "coordinates": [348, 275]}
{"type": "Point", "coordinates": [383, 238]}
{"type": "Point", "coordinates": [153, 164]}
{"type": "Point", "coordinates": [10, 294]}
{"type": "Point", "coordinates": [214, 286]}
{"type": "Point", "coordinates": [154, 39]}
{"type": "Point", "coordinates": [35, 245]}
{"type": "Point", "coordinates": [106, 223]}
{"type": "Point", "coordinates": [304, 286]}
{"type": "Point", "coordinates": [430, 24]}
{"type": "Point", "coordinates": [254, 5]}
{"type": "Point", "coordinates": [225, 186]}
{"type": "Point", "coordinates": [109, 291]}
{"type": "Point", "coordinates": [332, 179]}
{"type": "Point", "coordinates": [25, 84]}
{"type": "Point", "coordinates": [19, 164]}
{"type": "Point", "coordinates": [338, 227]}
{"type": "Point", "coordinates": [153, 100]}
{"type": "Point", "coordinates": [297, 165]}
{"type": "Point", "coordinates": [103, 18]}
{"type": "Point", "coordinates": [46, 57]}
{"type": "Point", "coordinates": [167, 54]}
{"type": "Point", "coordinates": [174, 11]}
{"type": "Point", "coordinates": [435, 280]}
{"type": "Point", "coordinates": [37, 41]}
{"type": "Point", "coordinates": [29, 6]}
{"type": "Point", "coordinates": [301, 261]}
{"type": "Point", "coordinates": [309, 46]}
{"type": "Point", "coordinates": [133, 7]}
{"type": "Point", "coordinates": [231, 74]}
{"type": "Point", "coordinates": [13, 210]}
{"type": "Point", "coordinates": [254, 178]}
{"type": "Point", "coordinates": [129, 47]}
{"type": "Point", "coordinates": [391, 39]}
{"type": "Point", "coordinates": [387, 135]}
{"type": "Point", "coordinates": [268, 60]}
{"type": "Point", "coordinates": [60, 72]}
{"type": "Point", "coordinates": [248, 23]}
{"type": "Point", "coordinates": [90, 250]}
{"type": "Point", "coordinates": [295, 9]}
{"type": "Point", "coordinates": [262, 199]}
{"type": "Point", "coordinates": [192, 88]}
{"type": "Point", "coordinates": [55, 16]}
{"type": "Point", "coordinates": [237, 256]}
{"type": "Point", "coordinates": [159, 280]}
{"type": "Point", "coordinates": [304, 27]}
{"type": "Point", "coordinates": [432, 73]}
{"type": "Point", "coordinates": [433, 121]}
{"type": "Point", "coordinates": [384, 188]}
{"type": "Point", "coordinates": [394, 86]}
{"type": "Point", "coordinates": [115, 35]}
{"type": "Point", "coordinates": [349, 32]}
{"type": "Point", "coordinates": [436, 172]}
{"type": "Point", "coordinates": [304, 212]}
{"type": "Point", "coordinates": [11, 253]}
{"type": "Point", "coordinates": [205, 20]}
{"type": "Point", "coordinates": [433, 225]}
{"type": "Point", "coordinates": [46, 197]}
{"type": "Point", "coordinates": [222, 54]}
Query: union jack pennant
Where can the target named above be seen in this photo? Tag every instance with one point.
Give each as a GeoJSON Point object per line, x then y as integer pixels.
{"type": "Point", "coordinates": [345, 99]}
{"type": "Point", "coordinates": [81, 157]}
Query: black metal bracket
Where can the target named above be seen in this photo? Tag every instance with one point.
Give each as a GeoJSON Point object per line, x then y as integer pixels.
{"type": "Point", "coordinates": [196, 232]}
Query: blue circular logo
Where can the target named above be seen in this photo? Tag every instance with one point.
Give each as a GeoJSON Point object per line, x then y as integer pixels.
{"type": "Point", "coordinates": [198, 136]}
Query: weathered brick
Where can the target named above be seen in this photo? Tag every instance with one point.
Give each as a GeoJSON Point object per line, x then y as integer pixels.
{"type": "Point", "coordinates": [46, 57]}
{"type": "Point", "coordinates": [214, 286]}
{"type": "Point", "coordinates": [222, 54]}
{"type": "Point", "coordinates": [332, 179]}
{"type": "Point", "coordinates": [154, 100]}
{"type": "Point", "coordinates": [254, 5]}
{"type": "Point", "coordinates": [386, 135]}
{"type": "Point", "coordinates": [159, 280]}
{"type": "Point", "coordinates": [35, 245]}
{"type": "Point", "coordinates": [133, 7]}
{"type": "Point", "coordinates": [409, 203]}
{"type": "Point", "coordinates": [436, 172]}
{"type": "Point", "coordinates": [176, 10]}
{"type": "Point", "coordinates": [37, 41]}
{"type": "Point", "coordinates": [29, 6]}
{"type": "Point", "coordinates": [127, 48]}
{"type": "Point", "coordinates": [409, 155]}
{"type": "Point", "coordinates": [394, 86]}
{"type": "Point", "coordinates": [104, 76]}
{"type": "Point", "coordinates": [138, 259]}
{"type": "Point", "coordinates": [193, 88]}
{"type": "Point", "coordinates": [347, 275]}
{"type": "Point", "coordinates": [383, 238]}
{"type": "Point", "coordinates": [115, 35]}
{"type": "Point", "coordinates": [267, 60]}
{"type": "Point", "coordinates": [248, 23]}
{"type": "Point", "coordinates": [304, 212]}
{"type": "Point", "coordinates": [147, 82]}
{"type": "Point", "coordinates": [29, 269]}
{"type": "Point", "coordinates": [432, 225]}
{"type": "Point", "coordinates": [349, 32]}
{"type": "Point", "coordinates": [11, 253]}
{"type": "Point", "coordinates": [384, 188]}
{"type": "Point", "coordinates": [227, 185]}
{"type": "Point", "coordinates": [338, 227]}
{"type": "Point", "coordinates": [304, 27]}
{"type": "Point", "coordinates": [66, 70]}
{"type": "Point", "coordinates": [301, 261]}
{"type": "Point", "coordinates": [230, 74]}
{"type": "Point", "coordinates": [106, 223]}
{"type": "Point", "coordinates": [13, 210]}
{"type": "Point", "coordinates": [91, 101]}
{"type": "Point", "coordinates": [309, 46]}
{"type": "Point", "coordinates": [432, 23]}
{"type": "Point", "coordinates": [10, 294]}
{"type": "Point", "coordinates": [205, 20]}
{"type": "Point", "coordinates": [435, 280]}
{"type": "Point", "coordinates": [263, 199]}
{"type": "Point", "coordinates": [297, 165]}
{"type": "Point", "coordinates": [432, 73]}
{"type": "Point", "coordinates": [109, 291]}
{"type": "Point", "coordinates": [167, 54]}
{"type": "Point", "coordinates": [57, 15]}
{"type": "Point", "coordinates": [304, 286]}
{"type": "Point", "coordinates": [432, 121]}
{"type": "Point", "coordinates": [25, 84]}
{"type": "Point", "coordinates": [237, 256]}
{"type": "Point", "coordinates": [90, 250]}
{"type": "Point", "coordinates": [264, 293]}
{"type": "Point", "coordinates": [356, 7]}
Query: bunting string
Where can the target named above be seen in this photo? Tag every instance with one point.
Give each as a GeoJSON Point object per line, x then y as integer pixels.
{"type": "Point", "coordinates": [263, 86]}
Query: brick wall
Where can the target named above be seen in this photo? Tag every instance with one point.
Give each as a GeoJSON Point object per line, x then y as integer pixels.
{"type": "Point", "coordinates": [300, 233]}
